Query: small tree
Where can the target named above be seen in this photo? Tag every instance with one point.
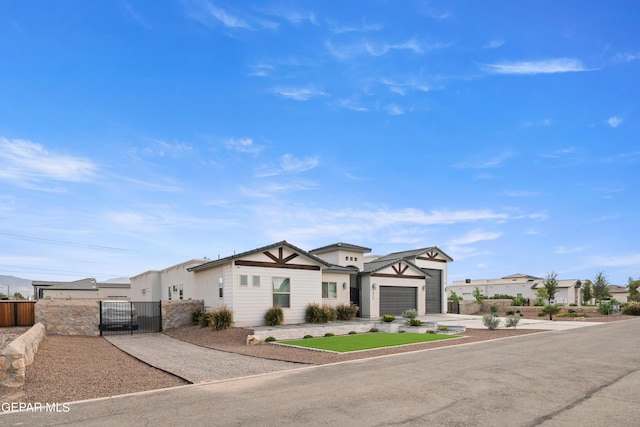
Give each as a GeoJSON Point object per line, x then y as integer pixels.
{"type": "Point", "coordinates": [477, 294]}
{"type": "Point", "coordinates": [634, 294]}
{"type": "Point", "coordinates": [601, 287]}
{"type": "Point", "coordinates": [551, 285]}
{"type": "Point", "coordinates": [587, 291]}
{"type": "Point", "coordinates": [454, 297]}
{"type": "Point", "coordinates": [18, 295]}
{"type": "Point", "coordinates": [542, 295]}
{"type": "Point", "coordinates": [550, 310]}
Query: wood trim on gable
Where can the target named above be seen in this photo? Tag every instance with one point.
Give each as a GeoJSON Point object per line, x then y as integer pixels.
{"type": "Point", "coordinates": [400, 270]}
{"type": "Point", "coordinates": [431, 256]}
{"type": "Point", "coordinates": [278, 262]}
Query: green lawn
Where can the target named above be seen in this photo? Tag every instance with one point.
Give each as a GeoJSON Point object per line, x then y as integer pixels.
{"type": "Point", "coordinates": [346, 343]}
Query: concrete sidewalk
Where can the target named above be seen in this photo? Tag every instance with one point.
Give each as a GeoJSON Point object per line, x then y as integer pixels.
{"type": "Point", "coordinates": [475, 322]}
{"type": "Point", "coordinates": [191, 362]}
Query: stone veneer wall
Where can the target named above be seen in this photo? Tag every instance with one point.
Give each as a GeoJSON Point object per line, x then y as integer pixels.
{"type": "Point", "coordinates": [469, 307]}
{"type": "Point", "coordinates": [19, 354]}
{"type": "Point", "coordinates": [178, 313]}
{"type": "Point", "coordinates": [69, 317]}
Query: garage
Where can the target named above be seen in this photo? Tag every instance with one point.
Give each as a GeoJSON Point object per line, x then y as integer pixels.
{"type": "Point", "coordinates": [395, 299]}
{"type": "Point", "coordinates": [434, 291]}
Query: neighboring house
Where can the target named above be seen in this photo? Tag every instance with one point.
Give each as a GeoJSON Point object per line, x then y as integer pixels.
{"type": "Point", "coordinates": [282, 274]}
{"type": "Point", "coordinates": [84, 288]}
{"type": "Point", "coordinates": [619, 293]}
{"type": "Point", "coordinates": [518, 285]}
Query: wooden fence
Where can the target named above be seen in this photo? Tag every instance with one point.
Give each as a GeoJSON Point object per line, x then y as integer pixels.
{"type": "Point", "coordinates": [17, 313]}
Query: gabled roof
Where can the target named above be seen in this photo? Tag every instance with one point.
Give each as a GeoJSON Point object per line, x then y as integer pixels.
{"type": "Point", "coordinates": [377, 265]}
{"type": "Point", "coordinates": [340, 245]}
{"type": "Point", "coordinates": [522, 276]}
{"type": "Point", "coordinates": [231, 258]}
{"type": "Point", "coordinates": [565, 283]}
{"type": "Point", "coordinates": [412, 254]}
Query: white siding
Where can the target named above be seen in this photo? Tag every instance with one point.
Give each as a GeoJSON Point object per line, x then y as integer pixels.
{"type": "Point", "coordinates": [343, 291]}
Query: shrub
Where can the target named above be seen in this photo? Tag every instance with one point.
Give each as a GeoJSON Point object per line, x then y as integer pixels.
{"type": "Point", "coordinates": [443, 328]}
{"type": "Point", "coordinates": [353, 333]}
{"type": "Point", "coordinates": [512, 321]}
{"type": "Point", "coordinates": [329, 334]}
{"type": "Point", "coordinates": [518, 301]}
{"type": "Point", "coordinates": [204, 320]}
{"type": "Point", "coordinates": [196, 315]}
{"type": "Point", "coordinates": [346, 311]}
{"type": "Point", "coordinates": [431, 331]}
{"type": "Point", "coordinates": [373, 330]}
{"type": "Point", "coordinates": [410, 314]}
{"type": "Point", "coordinates": [221, 318]}
{"type": "Point", "coordinates": [571, 311]}
{"type": "Point", "coordinates": [402, 331]}
{"type": "Point", "coordinates": [501, 296]}
{"type": "Point", "coordinates": [573, 304]}
{"type": "Point", "coordinates": [454, 297]}
{"type": "Point", "coordinates": [315, 314]}
{"type": "Point", "coordinates": [274, 316]}
{"type": "Point", "coordinates": [414, 322]}
{"type": "Point", "coordinates": [632, 309]}
{"type": "Point", "coordinates": [510, 312]}
{"type": "Point", "coordinates": [388, 318]}
{"type": "Point", "coordinates": [605, 307]}
{"type": "Point", "coordinates": [493, 308]}
{"type": "Point", "coordinates": [330, 312]}
{"type": "Point", "coordinates": [306, 337]}
{"type": "Point", "coordinates": [550, 310]}
{"type": "Point", "coordinates": [269, 339]}
{"type": "Point", "coordinates": [490, 321]}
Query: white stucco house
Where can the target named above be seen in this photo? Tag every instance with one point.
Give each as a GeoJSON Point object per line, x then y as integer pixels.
{"type": "Point", "coordinates": [282, 274]}
{"type": "Point", "coordinates": [84, 288]}
{"type": "Point", "coordinates": [518, 285]}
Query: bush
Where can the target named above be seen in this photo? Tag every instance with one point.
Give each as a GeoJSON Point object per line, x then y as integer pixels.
{"type": "Point", "coordinates": [605, 307]}
{"type": "Point", "coordinates": [518, 301]}
{"type": "Point", "coordinates": [502, 296]}
{"type": "Point", "coordinates": [330, 312]}
{"type": "Point", "coordinates": [374, 330]}
{"type": "Point", "coordinates": [353, 333]}
{"type": "Point", "coordinates": [306, 337]}
{"type": "Point", "coordinates": [414, 322]}
{"type": "Point", "coordinates": [221, 318]}
{"type": "Point", "coordinates": [269, 339]}
{"type": "Point", "coordinates": [512, 321]}
{"type": "Point", "coordinates": [388, 318]}
{"type": "Point", "coordinates": [632, 309]}
{"type": "Point", "coordinates": [510, 312]}
{"type": "Point", "coordinates": [490, 321]}
{"type": "Point", "coordinates": [274, 316]}
{"type": "Point", "coordinates": [493, 308]}
{"type": "Point", "coordinates": [204, 320]}
{"type": "Point", "coordinates": [443, 328]}
{"type": "Point", "coordinates": [410, 314]}
{"type": "Point", "coordinates": [196, 315]}
{"type": "Point", "coordinates": [346, 311]}
{"type": "Point", "coordinates": [550, 310]}
{"type": "Point", "coordinates": [315, 314]}
{"type": "Point", "coordinates": [573, 304]}
{"type": "Point", "coordinates": [329, 334]}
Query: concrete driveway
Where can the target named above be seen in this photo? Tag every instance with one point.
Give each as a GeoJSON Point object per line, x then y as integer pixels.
{"type": "Point", "coordinates": [191, 362]}
{"type": "Point", "coordinates": [584, 376]}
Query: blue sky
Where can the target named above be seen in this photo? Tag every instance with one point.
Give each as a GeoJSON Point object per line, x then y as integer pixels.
{"type": "Point", "coordinates": [135, 135]}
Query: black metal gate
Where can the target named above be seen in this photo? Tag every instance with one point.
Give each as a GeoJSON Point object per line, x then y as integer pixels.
{"type": "Point", "coordinates": [453, 307]}
{"type": "Point", "coordinates": [130, 317]}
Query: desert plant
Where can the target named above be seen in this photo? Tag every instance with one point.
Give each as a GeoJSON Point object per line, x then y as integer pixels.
{"type": "Point", "coordinates": [490, 321]}
{"type": "Point", "coordinates": [221, 318]}
{"type": "Point", "coordinates": [478, 296]}
{"type": "Point", "coordinates": [315, 314]}
{"type": "Point", "coordinates": [306, 337]}
{"type": "Point", "coordinates": [410, 314]}
{"type": "Point", "coordinates": [443, 328]}
{"type": "Point", "coordinates": [605, 307]}
{"type": "Point", "coordinates": [493, 309]}
{"type": "Point", "coordinates": [330, 312]}
{"type": "Point", "coordinates": [388, 318]}
{"type": "Point", "coordinates": [510, 312]}
{"type": "Point", "coordinates": [269, 339]}
{"type": "Point", "coordinates": [632, 309]}
{"type": "Point", "coordinates": [374, 330]}
{"type": "Point", "coordinates": [353, 333]}
{"type": "Point", "coordinates": [274, 316]}
{"type": "Point", "coordinates": [512, 321]}
{"type": "Point", "coordinates": [346, 311]}
{"type": "Point", "coordinates": [549, 310]}
{"type": "Point", "coordinates": [518, 301]}
{"type": "Point", "coordinates": [454, 297]}
{"type": "Point", "coordinates": [196, 315]}
{"type": "Point", "coordinates": [329, 334]}
{"type": "Point", "coordinates": [414, 322]}
{"type": "Point", "coordinates": [204, 319]}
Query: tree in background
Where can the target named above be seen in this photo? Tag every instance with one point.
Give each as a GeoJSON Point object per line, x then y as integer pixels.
{"type": "Point", "coordinates": [541, 296]}
{"type": "Point", "coordinates": [477, 294]}
{"type": "Point", "coordinates": [550, 310]}
{"type": "Point", "coordinates": [455, 297]}
{"type": "Point", "coordinates": [18, 295]}
{"type": "Point", "coordinates": [551, 285]}
{"type": "Point", "coordinates": [634, 294]}
{"type": "Point", "coordinates": [587, 291]}
{"type": "Point", "coordinates": [600, 287]}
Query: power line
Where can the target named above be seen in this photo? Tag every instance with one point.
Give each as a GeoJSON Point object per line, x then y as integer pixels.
{"type": "Point", "coordinates": [55, 272]}
{"type": "Point", "coordinates": [64, 243]}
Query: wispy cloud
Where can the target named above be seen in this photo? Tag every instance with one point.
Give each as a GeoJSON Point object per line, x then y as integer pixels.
{"type": "Point", "coordinates": [337, 28]}
{"type": "Point", "coordinates": [486, 163]}
{"type": "Point", "coordinates": [561, 250]}
{"type": "Point", "coordinates": [520, 193]}
{"type": "Point", "coordinates": [549, 66]}
{"type": "Point", "coordinates": [350, 104]}
{"type": "Point", "coordinates": [31, 162]}
{"type": "Point", "coordinates": [211, 16]}
{"type": "Point", "coordinates": [537, 123]}
{"type": "Point", "coordinates": [377, 49]}
{"type": "Point", "coordinates": [290, 15]}
{"type": "Point", "coordinates": [134, 14]}
{"type": "Point", "coordinates": [494, 44]}
{"type": "Point", "coordinates": [291, 164]}
{"type": "Point", "coordinates": [163, 148]}
{"type": "Point", "coordinates": [394, 110]}
{"type": "Point", "coordinates": [619, 261]}
{"type": "Point", "coordinates": [560, 153]}
{"type": "Point", "coordinates": [614, 121]}
{"type": "Point", "coordinates": [298, 93]}
{"type": "Point", "coordinates": [434, 13]}
{"type": "Point", "coordinates": [626, 57]}
{"type": "Point", "coordinates": [243, 145]}
{"type": "Point", "coordinates": [475, 236]}
{"type": "Point", "coordinates": [402, 87]}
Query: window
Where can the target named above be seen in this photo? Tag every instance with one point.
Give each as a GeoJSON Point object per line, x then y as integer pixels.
{"type": "Point", "coordinates": [329, 290]}
{"type": "Point", "coordinates": [143, 291]}
{"type": "Point", "coordinates": [256, 281]}
{"type": "Point", "coordinates": [169, 289]}
{"type": "Point", "coordinates": [281, 291]}
{"type": "Point", "coordinates": [244, 280]}
{"type": "Point", "coordinates": [181, 294]}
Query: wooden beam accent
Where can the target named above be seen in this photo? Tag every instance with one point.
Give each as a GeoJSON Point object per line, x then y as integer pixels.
{"type": "Point", "coordinates": [397, 276]}
{"type": "Point", "coordinates": [276, 265]}
{"type": "Point", "coordinates": [431, 259]}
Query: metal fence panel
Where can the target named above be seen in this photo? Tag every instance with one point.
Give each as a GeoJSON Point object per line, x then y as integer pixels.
{"type": "Point", "coordinates": [130, 317]}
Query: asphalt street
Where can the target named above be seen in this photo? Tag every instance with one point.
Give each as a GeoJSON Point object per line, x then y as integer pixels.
{"type": "Point", "coordinates": [588, 376]}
